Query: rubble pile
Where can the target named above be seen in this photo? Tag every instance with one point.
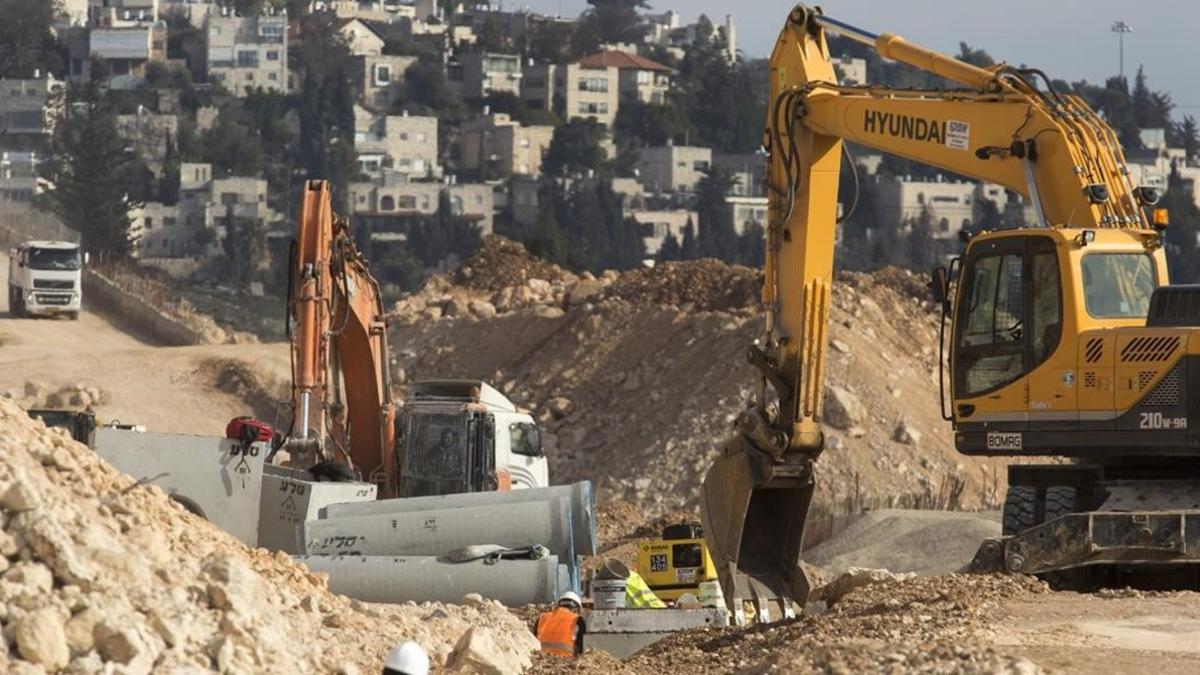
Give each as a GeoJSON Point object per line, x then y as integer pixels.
{"type": "Point", "coordinates": [101, 574]}
{"type": "Point", "coordinates": [638, 376]}
{"type": "Point", "coordinates": [78, 396]}
{"type": "Point", "coordinates": [890, 624]}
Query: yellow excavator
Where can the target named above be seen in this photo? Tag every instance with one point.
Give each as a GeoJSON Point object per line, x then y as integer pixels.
{"type": "Point", "coordinates": [1065, 338]}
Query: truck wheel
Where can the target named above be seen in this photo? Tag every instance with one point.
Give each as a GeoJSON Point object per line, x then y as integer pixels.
{"type": "Point", "coordinates": [74, 316]}
{"type": "Point", "coordinates": [1020, 509]}
{"type": "Point", "coordinates": [1060, 500]}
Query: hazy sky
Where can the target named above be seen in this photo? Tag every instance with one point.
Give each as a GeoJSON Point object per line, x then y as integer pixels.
{"type": "Point", "coordinates": [1069, 39]}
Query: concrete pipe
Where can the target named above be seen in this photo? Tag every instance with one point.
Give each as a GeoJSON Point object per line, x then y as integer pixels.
{"type": "Point", "coordinates": [514, 583]}
{"type": "Point", "coordinates": [437, 532]}
{"type": "Point", "coordinates": [580, 495]}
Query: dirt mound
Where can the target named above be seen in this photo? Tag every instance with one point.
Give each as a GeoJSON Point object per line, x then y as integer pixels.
{"type": "Point", "coordinates": [925, 542]}
{"type": "Point", "coordinates": [637, 378]}
{"type": "Point", "coordinates": [702, 285]}
{"type": "Point", "coordinates": [99, 573]}
{"type": "Point", "coordinates": [499, 263]}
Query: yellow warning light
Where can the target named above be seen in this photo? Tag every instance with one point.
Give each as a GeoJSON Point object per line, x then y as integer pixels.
{"type": "Point", "coordinates": [1162, 218]}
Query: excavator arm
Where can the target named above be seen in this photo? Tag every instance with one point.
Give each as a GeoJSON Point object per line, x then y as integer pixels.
{"type": "Point", "coordinates": [1053, 149]}
{"type": "Point", "coordinates": [341, 394]}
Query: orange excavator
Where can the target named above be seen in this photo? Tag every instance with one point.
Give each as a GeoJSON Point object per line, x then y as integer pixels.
{"type": "Point", "coordinates": [450, 437]}
{"type": "Point", "coordinates": [336, 324]}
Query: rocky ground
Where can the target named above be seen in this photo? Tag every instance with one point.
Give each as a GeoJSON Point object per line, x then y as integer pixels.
{"type": "Point", "coordinates": [637, 376]}
{"type": "Point", "coordinates": [98, 573]}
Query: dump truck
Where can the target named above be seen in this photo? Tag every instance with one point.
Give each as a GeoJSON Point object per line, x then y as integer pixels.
{"type": "Point", "coordinates": [1062, 338]}
{"type": "Point", "coordinates": [45, 278]}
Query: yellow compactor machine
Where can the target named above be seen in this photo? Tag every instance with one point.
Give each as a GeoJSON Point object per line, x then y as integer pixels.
{"type": "Point", "coordinates": [1063, 338]}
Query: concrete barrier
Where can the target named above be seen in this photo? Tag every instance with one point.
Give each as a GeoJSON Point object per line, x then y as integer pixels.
{"type": "Point", "coordinates": [134, 315]}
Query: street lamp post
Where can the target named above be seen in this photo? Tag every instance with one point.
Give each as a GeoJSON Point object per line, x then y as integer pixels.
{"type": "Point", "coordinates": [1121, 28]}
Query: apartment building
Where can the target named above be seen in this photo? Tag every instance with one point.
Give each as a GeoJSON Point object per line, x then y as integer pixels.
{"type": "Point", "coordinates": [749, 170]}
{"type": "Point", "coordinates": [379, 77]}
{"type": "Point", "coordinates": [29, 107]}
{"type": "Point", "coordinates": [360, 37]}
{"type": "Point", "coordinates": [497, 145]}
{"type": "Point", "coordinates": [478, 74]}
{"type": "Point", "coordinates": [657, 225]}
{"type": "Point", "coordinates": [668, 31]}
{"type": "Point", "coordinates": [573, 90]}
{"type": "Point", "coordinates": [19, 181]}
{"type": "Point", "coordinates": [639, 78]}
{"type": "Point", "coordinates": [950, 203]}
{"type": "Point", "coordinates": [246, 53]}
{"type": "Point", "coordinates": [123, 52]}
{"type": "Point", "coordinates": [673, 168]}
{"type": "Point", "coordinates": [404, 144]}
{"type": "Point", "coordinates": [118, 12]}
{"type": "Point", "coordinates": [391, 201]}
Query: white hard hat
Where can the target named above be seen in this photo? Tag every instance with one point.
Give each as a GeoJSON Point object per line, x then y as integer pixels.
{"type": "Point", "coordinates": [407, 658]}
{"type": "Point", "coordinates": [570, 596]}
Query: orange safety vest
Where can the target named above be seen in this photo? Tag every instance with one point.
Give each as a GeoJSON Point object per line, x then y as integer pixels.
{"type": "Point", "coordinates": [556, 632]}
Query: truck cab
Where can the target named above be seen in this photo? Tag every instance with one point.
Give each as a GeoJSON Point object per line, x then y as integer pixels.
{"type": "Point", "coordinates": [45, 277]}
{"type": "Point", "coordinates": [456, 436]}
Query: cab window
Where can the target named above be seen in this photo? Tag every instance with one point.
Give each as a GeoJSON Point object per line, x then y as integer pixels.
{"type": "Point", "coordinates": [1046, 305]}
{"type": "Point", "coordinates": [991, 345]}
{"type": "Point", "coordinates": [1118, 285]}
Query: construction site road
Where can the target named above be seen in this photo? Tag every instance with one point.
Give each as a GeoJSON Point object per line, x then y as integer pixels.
{"type": "Point", "coordinates": [192, 390]}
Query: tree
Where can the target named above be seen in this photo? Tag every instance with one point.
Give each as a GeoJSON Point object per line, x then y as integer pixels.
{"type": "Point", "coordinates": [575, 148]}
{"type": "Point", "coordinates": [444, 235]}
{"type": "Point", "coordinates": [975, 57]}
{"type": "Point", "coordinates": [609, 22]}
{"type": "Point", "coordinates": [1184, 230]}
{"type": "Point", "coordinates": [1189, 136]}
{"type": "Point", "coordinates": [650, 124]}
{"type": "Point", "coordinates": [232, 148]}
{"type": "Point", "coordinates": [1141, 100]}
{"type": "Point", "coordinates": [717, 237]}
{"type": "Point", "coordinates": [689, 249]}
{"type": "Point", "coordinates": [27, 42]}
{"type": "Point", "coordinates": [91, 173]}
{"type": "Point", "coordinates": [326, 143]}
{"type": "Point", "coordinates": [920, 240]}
{"type": "Point", "coordinates": [670, 250]}
{"type": "Point", "coordinates": [244, 245]}
{"type": "Point", "coordinates": [752, 245]}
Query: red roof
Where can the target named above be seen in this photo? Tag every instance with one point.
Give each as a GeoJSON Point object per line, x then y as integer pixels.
{"type": "Point", "coordinates": [621, 60]}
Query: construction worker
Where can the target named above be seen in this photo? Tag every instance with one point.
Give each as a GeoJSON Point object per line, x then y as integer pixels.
{"type": "Point", "coordinates": [407, 658]}
{"type": "Point", "coordinates": [561, 630]}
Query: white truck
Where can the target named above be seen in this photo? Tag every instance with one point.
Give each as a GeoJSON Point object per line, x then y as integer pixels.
{"type": "Point", "coordinates": [45, 277]}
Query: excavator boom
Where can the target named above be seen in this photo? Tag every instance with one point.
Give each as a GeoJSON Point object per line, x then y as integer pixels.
{"type": "Point", "coordinates": [341, 389]}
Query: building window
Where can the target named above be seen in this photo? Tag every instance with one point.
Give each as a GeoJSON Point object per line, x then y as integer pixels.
{"type": "Point", "coordinates": [408, 202]}
{"type": "Point", "coordinates": [383, 76]}
{"type": "Point", "coordinates": [168, 222]}
{"type": "Point", "coordinates": [229, 198]}
{"type": "Point", "coordinates": [273, 55]}
{"type": "Point", "coordinates": [425, 202]}
{"type": "Point", "coordinates": [596, 84]}
{"type": "Point", "coordinates": [456, 205]}
{"type": "Point", "coordinates": [272, 77]}
{"type": "Point", "coordinates": [247, 59]}
{"type": "Point", "coordinates": [273, 32]}
{"type": "Point", "coordinates": [643, 77]}
{"type": "Point", "coordinates": [700, 165]}
{"type": "Point", "coordinates": [945, 199]}
{"type": "Point", "coordinates": [149, 223]}
{"type": "Point", "coordinates": [593, 108]}
{"type": "Point", "coordinates": [387, 204]}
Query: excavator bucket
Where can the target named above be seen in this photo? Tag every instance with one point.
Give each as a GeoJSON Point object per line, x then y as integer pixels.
{"type": "Point", "coordinates": [754, 510]}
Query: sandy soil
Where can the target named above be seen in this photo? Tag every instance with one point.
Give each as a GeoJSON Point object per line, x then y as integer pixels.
{"type": "Point", "coordinates": [171, 389]}
{"type": "Point", "coordinates": [1077, 633]}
